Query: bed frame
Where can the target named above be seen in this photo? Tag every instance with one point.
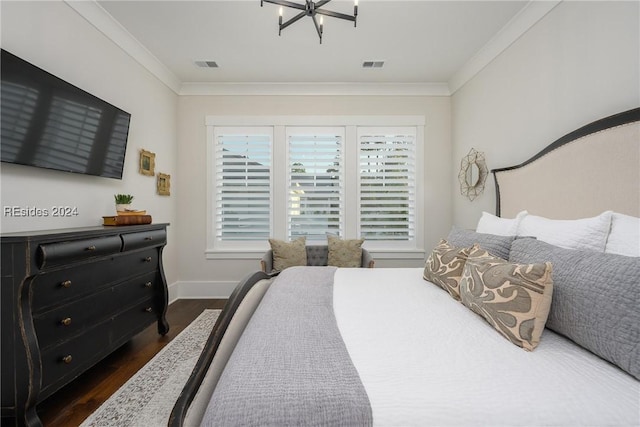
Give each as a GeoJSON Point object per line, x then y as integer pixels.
{"type": "Point", "coordinates": [597, 167]}
{"type": "Point", "coordinates": [225, 334]}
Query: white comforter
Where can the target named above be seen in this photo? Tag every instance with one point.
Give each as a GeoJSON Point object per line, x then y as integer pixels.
{"type": "Point", "coordinates": [425, 359]}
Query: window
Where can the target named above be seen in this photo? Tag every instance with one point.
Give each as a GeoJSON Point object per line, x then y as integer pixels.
{"type": "Point", "coordinates": [387, 183]}
{"type": "Point", "coordinates": [315, 197]}
{"type": "Point", "coordinates": [286, 177]}
{"type": "Point", "coordinates": [242, 202]}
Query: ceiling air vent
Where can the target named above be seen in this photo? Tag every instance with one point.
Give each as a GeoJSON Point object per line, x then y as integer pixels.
{"type": "Point", "coordinates": [207, 64]}
{"type": "Point", "coordinates": [372, 64]}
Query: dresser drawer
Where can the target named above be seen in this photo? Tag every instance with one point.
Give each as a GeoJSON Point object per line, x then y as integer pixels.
{"type": "Point", "coordinates": [72, 357]}
{"type": "Point", "coordinates": [52, 254]}
{"type": "Point", "coordinates": [137, 262]}
{"type": "Point", "coordinates": [143, 239]}
{"type": "Point", "coordinates": [67, 321]}
{"type": "Point", "coordinates": [63, 362]}
{"type": "Point", "coordinates": [59, 287]}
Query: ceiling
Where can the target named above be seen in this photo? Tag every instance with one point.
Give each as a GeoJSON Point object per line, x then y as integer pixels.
{"type": "Point", "coordinates": [419, 41]}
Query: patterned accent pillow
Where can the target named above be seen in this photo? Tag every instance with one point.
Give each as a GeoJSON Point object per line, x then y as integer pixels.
{"type": "Point", "coordinates": [288, 254]}
{"type": "Point", "coordinates": [514, 298]}
{"type": "Point", "coordinates": [445, 265]}
{"type": "Point", "coordinates": [344, 253]}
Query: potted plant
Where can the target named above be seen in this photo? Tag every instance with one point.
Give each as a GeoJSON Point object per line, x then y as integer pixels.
{"type": "Point", "coordinates": [123, 201]}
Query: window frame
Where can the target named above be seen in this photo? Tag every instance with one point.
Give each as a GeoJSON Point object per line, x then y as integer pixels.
{"type": "Point", "coordinates": [279, 125]}
{"type": "Point", "coordinates": [295, 131]}
{"type": "Point", "coordinates": [418, 208]}
{"type": "Point", "coordinates": [231, 245]}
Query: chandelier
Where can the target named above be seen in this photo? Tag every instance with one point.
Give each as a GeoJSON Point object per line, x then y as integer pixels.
{"type": "Point", "coordinates": [310, 8]}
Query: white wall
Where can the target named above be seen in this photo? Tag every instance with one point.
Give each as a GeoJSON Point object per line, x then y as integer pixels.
{"type": "Point", "coordinates": [578, 64]}
{"type": "Point", "coordinates": [200, 275]}
{"type": "Point", "coordinates": [54, 37]}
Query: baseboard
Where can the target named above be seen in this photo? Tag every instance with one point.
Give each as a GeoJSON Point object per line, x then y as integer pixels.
{"type": "Point", "coordinates": [200, 290]}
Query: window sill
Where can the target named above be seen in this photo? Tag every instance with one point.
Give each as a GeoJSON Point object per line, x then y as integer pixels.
{"type": "Point", "coordinates": [257, 254]}
{"type": "Point", "coordinates": [234, 254]}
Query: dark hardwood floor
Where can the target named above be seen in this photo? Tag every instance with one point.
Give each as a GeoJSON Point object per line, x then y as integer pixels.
{"type": "Point", "coordinates": [76, 401]}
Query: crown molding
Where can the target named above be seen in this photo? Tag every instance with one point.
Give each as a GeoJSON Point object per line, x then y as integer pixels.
{"type": "Point", "coordinates": [533, 12]}
{"type": "Point", "coordinates": [112, 29]}
{"type": "Point", "coordinates": [97, 16]}
{"type": "Point", "coordinates": [310, 88]}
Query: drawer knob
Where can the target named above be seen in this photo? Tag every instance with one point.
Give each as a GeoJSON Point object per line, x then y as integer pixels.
{"type": "Point", "coordinates": [148, 284]}
{"type": "Point", "coordinates": [148, 309]}
{"type": "Point", "coordinates": [148, 259]}
{"type": "Point", "coordinates": [91, 248]}
{"type": "Point", "coordinates": [67, 359]}
{"type": "Point", "coordinates": [66, 284]}
{"type": "Point", "coordinates": [66, 321]}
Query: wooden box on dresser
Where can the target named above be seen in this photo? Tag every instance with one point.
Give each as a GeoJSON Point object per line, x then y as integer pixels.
{"type": "Point", "coordinates": [69, 298]}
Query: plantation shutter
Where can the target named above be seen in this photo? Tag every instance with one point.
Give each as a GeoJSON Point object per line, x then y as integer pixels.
{"type": "Point", "coordinates": [243, 185]}
{"type": "Point", "coordinates": [315, 179]}
{"type": "Point", "coordinates": [387, 184]}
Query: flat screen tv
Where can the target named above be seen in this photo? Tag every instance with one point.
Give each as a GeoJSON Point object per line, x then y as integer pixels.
{"type": "Point", "coordinates": [49, 123]}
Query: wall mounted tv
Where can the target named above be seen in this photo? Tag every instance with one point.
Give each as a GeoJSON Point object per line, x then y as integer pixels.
{"type": "Point", "coordinates": [49, 123]}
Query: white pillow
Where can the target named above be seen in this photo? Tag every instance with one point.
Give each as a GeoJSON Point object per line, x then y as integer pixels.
{"type": "Point", "coordinates": [491, 224]}
{"type": "Point", "coordinates": [586, 233]}
{"type": "Point", "coordinates": [624, 238]}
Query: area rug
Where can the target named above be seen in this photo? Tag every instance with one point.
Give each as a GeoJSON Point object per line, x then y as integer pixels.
{"type": "Point", "coordinates": [146, 400]}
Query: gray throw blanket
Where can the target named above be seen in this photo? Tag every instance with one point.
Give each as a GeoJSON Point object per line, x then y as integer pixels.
{"type": "Point", "coordinates": [291, 367]}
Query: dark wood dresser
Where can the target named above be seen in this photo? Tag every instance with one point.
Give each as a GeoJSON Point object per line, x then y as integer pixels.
{"type": "Point", "coordinates": [69, 298]}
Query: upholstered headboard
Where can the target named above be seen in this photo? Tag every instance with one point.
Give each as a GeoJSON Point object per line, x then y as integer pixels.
{"type": "Point", "coordinates": [588, 171]}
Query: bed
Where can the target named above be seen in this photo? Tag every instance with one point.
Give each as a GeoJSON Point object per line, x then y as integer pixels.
{"type": "Point", "coordinates": [341, 346]}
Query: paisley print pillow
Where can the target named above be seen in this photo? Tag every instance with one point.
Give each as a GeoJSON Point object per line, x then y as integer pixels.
{"type": "Point", "coordinates": [445, 265]}
{"type": "Point", "coordinates": [514, 298]}
{"type": "Point", "coordinates": [288, 254]}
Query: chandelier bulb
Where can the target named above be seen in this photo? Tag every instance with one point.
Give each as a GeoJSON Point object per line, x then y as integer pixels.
{"type": "Point", "coordinates": [309, 9]}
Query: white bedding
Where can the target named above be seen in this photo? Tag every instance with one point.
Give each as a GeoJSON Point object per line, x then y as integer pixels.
{"type": "Point", "coordinates": [425, 359]}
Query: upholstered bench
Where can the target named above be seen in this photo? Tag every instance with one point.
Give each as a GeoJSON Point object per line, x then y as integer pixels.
{"type": "Point", "coordinates": [317, 255]}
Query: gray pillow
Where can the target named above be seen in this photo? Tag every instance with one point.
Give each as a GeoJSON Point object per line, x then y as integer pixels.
{"type": "Point", "coordinates": [496, 245]}
{"type": "Point", "coordinates": [596, 299]}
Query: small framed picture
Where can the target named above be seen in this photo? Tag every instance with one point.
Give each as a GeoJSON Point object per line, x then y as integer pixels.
{"type": "Point", "coordinates": [147, 163]}
{"type": "Point", "coordinates": [164, 184]}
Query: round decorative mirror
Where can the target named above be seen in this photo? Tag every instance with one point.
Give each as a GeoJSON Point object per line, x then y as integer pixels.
{"type": "Point", "coordinates": [473, 174]}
